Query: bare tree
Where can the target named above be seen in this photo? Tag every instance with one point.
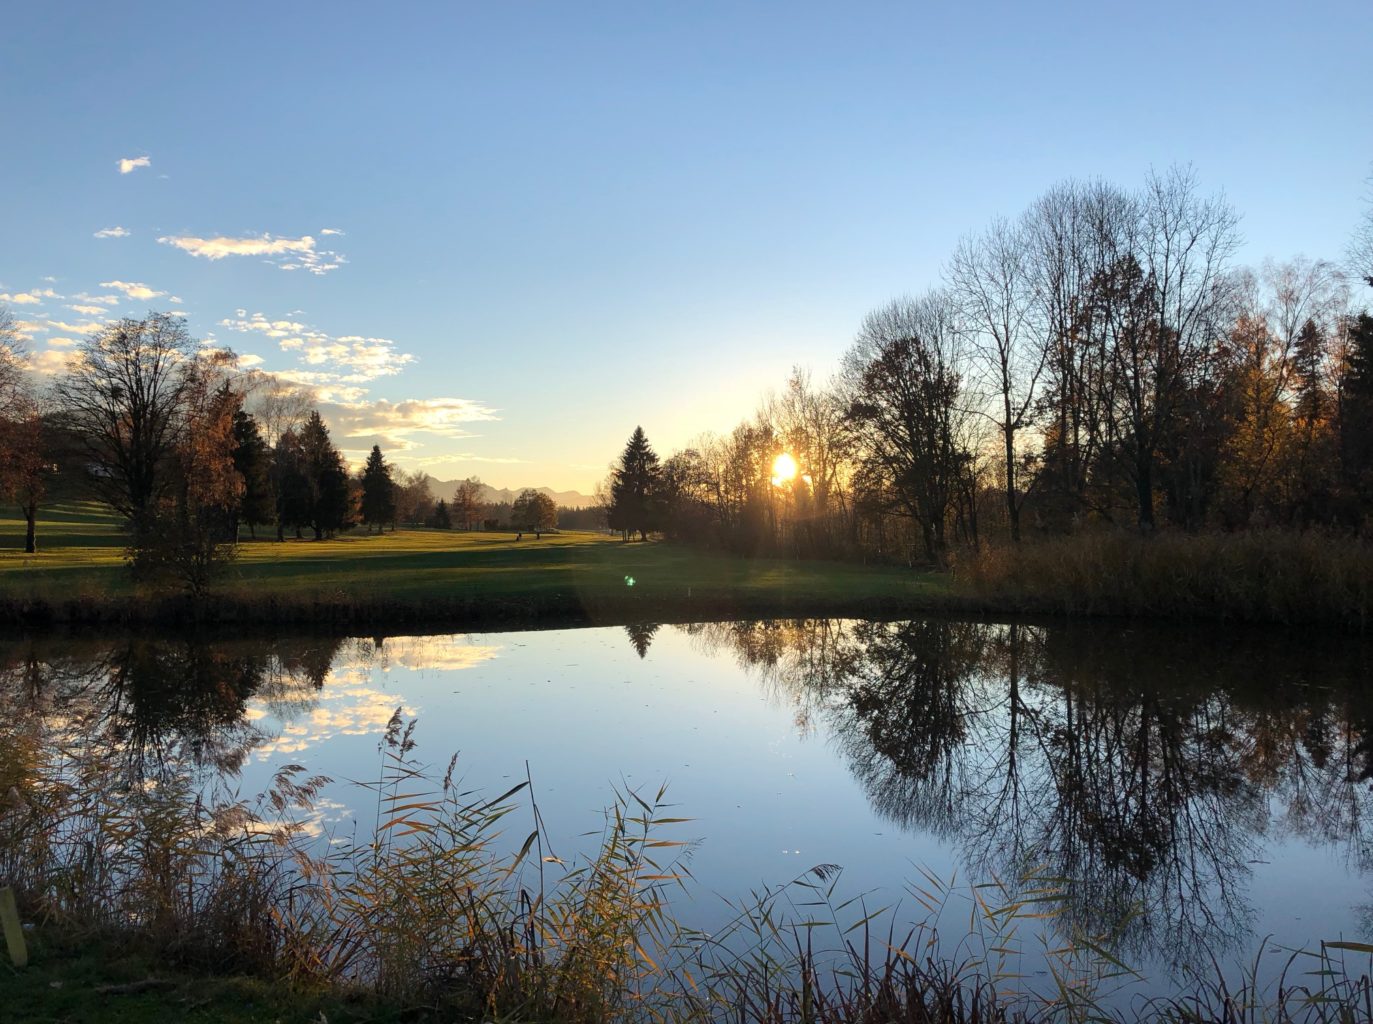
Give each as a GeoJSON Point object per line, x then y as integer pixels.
{"type": "Point", "coordinates": [903, 384]}
{"type": "Point", "coordinates": [993, 286]}
{"type": "Point", "coordinates": [1361, 245]}
{"type": "Point", "coordinates": [123, 395]}
{"type": "Point", "coordinates": [467, 503]}
{"type": "Point", "coordinates": [277, 405]}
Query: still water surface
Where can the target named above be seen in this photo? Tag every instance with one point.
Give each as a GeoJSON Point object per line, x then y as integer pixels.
{"type": "Point", "coordinates": [1211, 787]}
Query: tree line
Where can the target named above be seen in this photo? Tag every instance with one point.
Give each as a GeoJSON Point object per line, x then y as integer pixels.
{"type": "Point", "coordinates": [189, 451]}
{"type": "Point", "coordinates": [1098, 359]}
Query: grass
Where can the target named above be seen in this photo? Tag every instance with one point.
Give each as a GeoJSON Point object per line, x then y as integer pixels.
{"type": "Point", "coordinates": [415, 574]}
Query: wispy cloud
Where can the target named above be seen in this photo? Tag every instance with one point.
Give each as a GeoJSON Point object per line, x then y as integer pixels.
{"type": "Point", "coordinates": [80, 307]}
{"type": "Point", "coordinates": [26, 329]}
{"type": "Point", "coordinates": [32, 298]}
{"type": "Point", "coordinates": [114, 232]}
{"type": "Point", "coordinates": [350, 359]}
{"type": "Point", "coordinates": [397, 421]}
{"type": "Point", "coordinates": [132, 163]}
{"type": "Point", "coordinates": [287, 253]}
{"type": "Point", "coordinates": [133, 289]}
{"type": "Point", "coordinates": [330, 231]}
{"type": "Point", "coordinates": [86, 328]}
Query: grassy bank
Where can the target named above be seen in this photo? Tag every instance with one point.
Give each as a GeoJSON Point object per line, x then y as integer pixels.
{"type": "Point", "coordinates": [439, 576]}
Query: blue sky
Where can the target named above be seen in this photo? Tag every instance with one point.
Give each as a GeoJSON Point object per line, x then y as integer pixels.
{"type": "Point", "coordinates": [557, 221]}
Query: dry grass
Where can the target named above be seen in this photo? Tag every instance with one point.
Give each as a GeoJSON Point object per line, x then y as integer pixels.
{"type": "Point", "coordinates": [1265, 577]}
{"type": "Point", "coordinates": [429, 916]}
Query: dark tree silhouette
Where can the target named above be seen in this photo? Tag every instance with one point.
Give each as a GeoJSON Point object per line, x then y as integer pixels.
{"type": "Point", "coordinates": [634, 488]}
{"type": "Point", "coordinates": [378, 492]}
{"type": "Point", "coordinates": [328, 480]}
{"type": "Point", "coordinates": [533, 511]}
{"type": "Point", "coordinates": [253, 462]}
{"type": "Point", "coordinates": [123, 396]}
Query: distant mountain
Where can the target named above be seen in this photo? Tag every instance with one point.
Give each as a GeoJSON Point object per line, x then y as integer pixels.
{"type": "Point", "coordinates": [563, 499]}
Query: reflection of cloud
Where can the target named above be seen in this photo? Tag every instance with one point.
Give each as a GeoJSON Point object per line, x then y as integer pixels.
{"type": "Point", "coordinates": [441, 653]}
{"type": "Point", "coordinates": [341, 708]}
{"type": "Point", "coordinates": [131, 163]}
{"type": "Point", "coordinates": [286, 253]}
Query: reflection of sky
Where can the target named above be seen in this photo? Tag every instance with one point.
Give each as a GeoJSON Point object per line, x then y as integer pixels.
{"type": "Point", "coordinates": [768, 796]}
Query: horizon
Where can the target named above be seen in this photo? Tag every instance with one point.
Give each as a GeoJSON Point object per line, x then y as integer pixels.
{"type": "Point", "coordinates": [483, 233]}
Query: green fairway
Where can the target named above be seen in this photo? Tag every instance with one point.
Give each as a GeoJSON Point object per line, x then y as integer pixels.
{"type": "Point", "coordinates": [81, 555]}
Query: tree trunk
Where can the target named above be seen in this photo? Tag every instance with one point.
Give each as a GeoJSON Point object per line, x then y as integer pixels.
{"type": "Point", "coordinates": [1144, 490]}
{"type": "Point", "coordinates": [31, 530]}
{"type": "Point", "coordinates": [1012, 506]}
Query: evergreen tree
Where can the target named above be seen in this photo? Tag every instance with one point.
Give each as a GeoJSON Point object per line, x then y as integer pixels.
{"type": "Point", "coordinates": [1356, 420]}
{"type": "Point", "coordinates": [253, 462]}
{"type": "Point", "coordinates": [291, 484]}
{"type": "Point", "coordinates": [441, 519]}
{"type": "Point", "coordinates": [378, 492]}
{"type": "Point", "coordinates": [327, 479]}
{"type": "Point", "coordinates": [634, 489]}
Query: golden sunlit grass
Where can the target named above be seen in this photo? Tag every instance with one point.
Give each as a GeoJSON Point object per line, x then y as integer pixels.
{"type": "Point", "coordinates": [81, 556]}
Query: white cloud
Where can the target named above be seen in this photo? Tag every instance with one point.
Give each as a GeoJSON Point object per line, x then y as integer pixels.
{"type": "Point", "coordinates": [395, 421]}
{"type": "Point", "coordinates": [351, 359]}
{"type": "Point", "coordinates": [98, 300]}
{"type": "Point", "coordinates": [62, 342]}
{"type": "Point", "coordinates": [133, 289]}
{"type": "Point", "coordinates": [330, 231]}
{"type": "Point", "coordinates": [132, 163]}
{"type": "Point", "coordinates": [114, 232]}
{"type": "Point", "coordinates": [85, 328]}
{"type": "Point", "coordinates": [32, 298]}
{"type": "Point", "coordinates": [52, 360]}
{"type": "Point", "coordinates": [286, 253]}
{"type": "Point", "coordinates": [26, 329]}
{"type": "Point", "coordinates": [87, 310]}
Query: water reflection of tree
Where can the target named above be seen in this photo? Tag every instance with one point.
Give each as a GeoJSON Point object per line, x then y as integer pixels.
{"type": "Point", "coordinates": [1144, 766]}
{"type": "Point", "coordinates": [159, 705]}
{"type": "Point", "coordinates": [641, 635]}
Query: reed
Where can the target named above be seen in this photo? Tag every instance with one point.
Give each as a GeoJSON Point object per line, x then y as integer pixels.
{"type": "Point", "coordinates": [437, 916]}
{"type": "Point", "coordinates": [1266, 577]}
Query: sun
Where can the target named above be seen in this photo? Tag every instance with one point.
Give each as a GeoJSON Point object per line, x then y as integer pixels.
{"type": "Point", "coordinates": [783, 469]}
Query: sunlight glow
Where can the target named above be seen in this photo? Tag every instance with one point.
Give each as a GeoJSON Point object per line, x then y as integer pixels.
{"type": "Point", "coordinates": [783, 469]}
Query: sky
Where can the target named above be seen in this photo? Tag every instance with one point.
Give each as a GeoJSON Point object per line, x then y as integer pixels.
{"type": "Point", "coordinates": [498, 236]}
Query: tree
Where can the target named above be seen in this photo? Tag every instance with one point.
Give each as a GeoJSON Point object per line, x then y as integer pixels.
{"type": "Point", "coordinates": [533, 511]}
{"type": "Point", "coordinates": [633, 490]}
{"type": "Point", "coordinates": [993, 287]}
{"type": "Point", "coordinates": [190, 535]}
{"type": "Point", "coordinates": [1356, 420]}
{"type": "Point", "coordinates": [466, 506]}
{"type": "Point", "coordinates": [414, 496]}
{"type": "Point", "coordinates": [290, 484]}
{"type": "Point", "coordinates": [903, 382]}
{"type": "Point", "coordinates": [327, 479]}
{"type": "Point", "coordinates": [378, 492]}
{"type": "Point", "coordinates": [28, 464]}
{"type": "Point", "coordinates": [123, 395]}
{"type": "Point", "coordinates": [441, 519]}
{"type": "Point", "coordinates": [1361, 245]}
{"type": "Point", "coordinates": [253, 463]}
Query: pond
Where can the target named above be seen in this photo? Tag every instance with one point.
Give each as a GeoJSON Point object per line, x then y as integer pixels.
{"type": "Point", "coordinates": [1192, 792]}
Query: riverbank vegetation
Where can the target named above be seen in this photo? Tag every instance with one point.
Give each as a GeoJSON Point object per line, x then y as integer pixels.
{"type": "Point", "coordinates": [435, 914]}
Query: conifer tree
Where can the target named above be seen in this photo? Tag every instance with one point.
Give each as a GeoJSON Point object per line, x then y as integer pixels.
{"type": "Point", "coordinates": [253, 462]}
{"type": "Point", "coordinates": [634, 489]}
{"type": "Point", "coordinates": [378, 492]}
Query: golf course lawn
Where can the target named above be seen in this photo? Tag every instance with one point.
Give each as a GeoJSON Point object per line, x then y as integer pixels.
{"type": "Point", "coordinates": [81, 557]}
